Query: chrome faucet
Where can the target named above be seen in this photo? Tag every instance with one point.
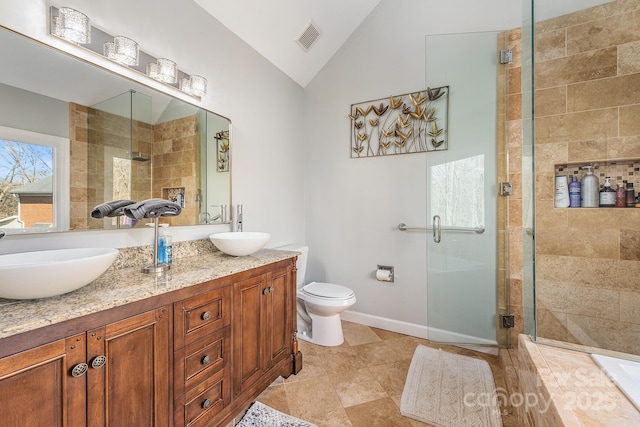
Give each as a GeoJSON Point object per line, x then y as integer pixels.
{"type": "Point", "coordinates": [239, 218]}
{"type": "Point", "coordinates": [1, 234]}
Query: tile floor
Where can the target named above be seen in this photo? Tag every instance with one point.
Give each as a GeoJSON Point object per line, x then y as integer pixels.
{"type": "Point", "coordinates": [360, 382]}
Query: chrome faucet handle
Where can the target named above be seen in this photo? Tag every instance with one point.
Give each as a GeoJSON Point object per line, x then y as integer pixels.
{"type": "Point", "coordinates": [2, 234]}
{"type": "Point", "coordinates": [239, 218]}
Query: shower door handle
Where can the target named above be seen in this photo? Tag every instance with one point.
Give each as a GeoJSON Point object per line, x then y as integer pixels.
{"type": "Point", "coordinates": [437, 233]}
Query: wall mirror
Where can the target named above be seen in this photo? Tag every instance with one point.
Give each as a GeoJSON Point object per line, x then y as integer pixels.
{"type": "Point", "coordinates": [74, 135]}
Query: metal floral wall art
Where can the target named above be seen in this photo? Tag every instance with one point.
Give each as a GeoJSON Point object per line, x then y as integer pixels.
{"type": "Point", "coordinates": [402, 124]}
{"type": "Point", "coordinates": [222, 145]}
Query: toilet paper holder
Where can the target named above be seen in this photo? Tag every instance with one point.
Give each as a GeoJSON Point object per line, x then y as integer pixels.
{"type": "Point", "coordinates": [384, 273]}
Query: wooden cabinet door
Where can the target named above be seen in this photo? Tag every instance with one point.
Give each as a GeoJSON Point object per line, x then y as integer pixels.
{"type": "Point", "coordinates": [37, 388]}
{"type": "Point", "coordinates": [249, 315]}
{"type": "Point", "coordinates": [129, 370]}
{"type": "Point", "coordinates": [277, 327]}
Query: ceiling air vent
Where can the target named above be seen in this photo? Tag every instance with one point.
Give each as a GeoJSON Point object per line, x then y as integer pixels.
{"type": "Point", "coordinates": [308, 36]}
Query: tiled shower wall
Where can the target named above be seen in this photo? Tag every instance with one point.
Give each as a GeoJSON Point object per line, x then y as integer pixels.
{"type": "Point", "coordinates": [96, 136]}
{"type": "Point", "coordinates": [587, 109]}
{"type": "Point", "coordinates": [176, 150]}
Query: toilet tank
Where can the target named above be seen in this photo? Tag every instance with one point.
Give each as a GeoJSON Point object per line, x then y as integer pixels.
{"type": "Point", "coordinates": [301, 264]}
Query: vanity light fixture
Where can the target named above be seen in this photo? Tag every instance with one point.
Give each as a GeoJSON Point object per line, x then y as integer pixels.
{"type": "Point", "coordinates": [71, 25]}
{"type": "Point", "coordinates": [197, 86]}
{"type": "Point", "coordinates": [74, 26]}
{"type": "Point", "coordinates": [164, 70]}
{"type": "Point", "coordinates": [122, 50]}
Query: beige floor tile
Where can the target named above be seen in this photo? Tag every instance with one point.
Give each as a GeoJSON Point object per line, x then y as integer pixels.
{"type": "Point", "coordinates": [376, 353]}
{"type": "Point", "coordinates": [360, 382]}
{"type": "Point", "coordinates": [275, 397]}
{"type": "Point", "coordinates": [378, 413]}
{"type": "Point", "coordinates": [386, 335]}
{"type": "Point", "coordinates": [312, 367]}
{"type": "Point", "coordinates": [355, 393]}
{"type": "Point", "coordinates": [334, 418]}
{"type": "Point", "coordinates": [356, 334]}
{"type": "Point", "coordinates": [392, 376]}
{"type": "Point", "coordinates": [312, 398]}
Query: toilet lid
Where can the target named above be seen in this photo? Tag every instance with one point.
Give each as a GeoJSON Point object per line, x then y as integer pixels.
{"type": "Point", "coordinates": [327, 290]}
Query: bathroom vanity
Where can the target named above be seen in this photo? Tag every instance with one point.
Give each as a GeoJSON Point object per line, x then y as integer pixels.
{"type": "Point", "coordinates": [193, 348]}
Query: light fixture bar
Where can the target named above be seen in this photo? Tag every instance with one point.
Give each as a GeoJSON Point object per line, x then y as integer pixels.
{"type": "Point", "coordinates": [125, 51]}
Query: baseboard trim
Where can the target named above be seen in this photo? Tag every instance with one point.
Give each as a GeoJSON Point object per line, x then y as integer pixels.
{"type": "Point", "coordinates": [419, 331]}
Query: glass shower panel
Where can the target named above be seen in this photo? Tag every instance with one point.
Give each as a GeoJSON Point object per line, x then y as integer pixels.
{"type": "Point", "coordinates": [461, 199]}
{"type": "Point", "coordinates": [119, 153]}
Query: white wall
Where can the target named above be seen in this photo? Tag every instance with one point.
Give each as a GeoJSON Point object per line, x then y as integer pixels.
{"type": "Point", "coordinates": [355, 205]}
{"type": "Point", "coordinates": [264, 105]}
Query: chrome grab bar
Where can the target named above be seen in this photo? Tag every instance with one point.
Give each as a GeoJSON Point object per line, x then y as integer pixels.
{"type": "Point", "coordinates": [404, 227]}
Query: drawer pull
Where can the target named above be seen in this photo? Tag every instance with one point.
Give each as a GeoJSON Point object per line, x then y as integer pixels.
{"type": "Point", "coordinates": [206, 403]}
{"type": "Point", "coordinates": [206, 315]}
{"type": "Point", "coordinates": [98, 362]}
{"type": "Point", "coordinates": [79, 370]}
{"type": "Point", "coordinates": [206, 360]}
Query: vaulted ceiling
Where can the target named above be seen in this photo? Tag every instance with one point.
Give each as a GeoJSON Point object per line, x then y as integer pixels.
{"type": "Point", "coordinates": [272, 27]}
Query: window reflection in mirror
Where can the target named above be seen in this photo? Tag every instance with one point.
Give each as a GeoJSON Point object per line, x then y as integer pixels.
{"type": "Point", "coordinates": [31, 189]}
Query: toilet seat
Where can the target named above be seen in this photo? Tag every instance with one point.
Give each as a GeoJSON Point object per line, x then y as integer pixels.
{"type": "Point", "coordinates": [327, 290]}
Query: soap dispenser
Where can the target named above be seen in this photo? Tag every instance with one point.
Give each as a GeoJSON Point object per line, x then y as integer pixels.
{"type": "Point", "coordinates": [607, 194]}
{"type": "Point", "coordinates": [165, 246]}
{"type": "Point", "coordinates": [589, 189]}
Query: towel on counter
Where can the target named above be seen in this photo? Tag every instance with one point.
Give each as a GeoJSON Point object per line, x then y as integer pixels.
{"type": "Point", "coordinates": [110, 209]}
{"type": "Point", "coordinates": [152, 208]}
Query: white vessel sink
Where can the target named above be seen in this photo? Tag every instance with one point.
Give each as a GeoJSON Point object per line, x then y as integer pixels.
{"type": "Point", "coordinates": [42, 274]}
{"type": "Point", "coordinates": [240, 243]}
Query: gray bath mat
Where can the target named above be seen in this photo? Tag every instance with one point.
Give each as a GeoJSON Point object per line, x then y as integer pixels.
{"type": "Point", "coordinates": [261, 415]}
{"type": "Point", "coordinates": [450, 390]}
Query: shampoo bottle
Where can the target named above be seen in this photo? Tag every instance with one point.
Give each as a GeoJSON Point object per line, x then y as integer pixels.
{"type": "Point", "coordinates": [574, 193]}
{"type": "Point", "coordinates": [589, 188]}
{"type": "Point", "coordinates": [607, 194]}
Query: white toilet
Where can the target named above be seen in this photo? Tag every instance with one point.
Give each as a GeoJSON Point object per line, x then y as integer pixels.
{"type": "Point", "coordinates": [319, 306]}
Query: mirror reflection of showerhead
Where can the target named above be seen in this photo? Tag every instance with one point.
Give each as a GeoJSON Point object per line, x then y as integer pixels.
{"type": "Point", "coordinates": [139, 157]}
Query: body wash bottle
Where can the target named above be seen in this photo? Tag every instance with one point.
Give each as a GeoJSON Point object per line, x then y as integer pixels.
{"type": "Point", "coordinates": [607, 194]}
{"type": "Point", "coordinates": [574, 193]}
{"type": "Point", "coordinates": [589, 187]}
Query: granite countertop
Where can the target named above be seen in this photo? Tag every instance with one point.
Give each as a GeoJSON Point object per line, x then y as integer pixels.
{"type": "Point", "coordinates": [122, 286]}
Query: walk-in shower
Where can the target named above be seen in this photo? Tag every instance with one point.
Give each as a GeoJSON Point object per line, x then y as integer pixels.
{"type": "Point", "coordinates": [581, 103]}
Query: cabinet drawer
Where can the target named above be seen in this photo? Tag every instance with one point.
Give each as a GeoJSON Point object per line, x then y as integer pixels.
{"type": "Point", "coordinates": [201, 359]}
{"type": "Point", "coordinates": [202, 403]}
{"type": "Point", "coordinates": [198, 316]}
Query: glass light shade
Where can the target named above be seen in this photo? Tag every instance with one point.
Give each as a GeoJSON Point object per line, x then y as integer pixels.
{"type": "Point", "coordinates": [198, 85]}
{"type": "Point", "coordinates": [167, 71]}
{"type": "Point", "coordinates": [72, 25]}
{"type": "Point", "coordinates": [185, 85]}
{"type": "Point", "coordinates": [122, 50]}
{"type": "Point", "coordinates": [152, 70]}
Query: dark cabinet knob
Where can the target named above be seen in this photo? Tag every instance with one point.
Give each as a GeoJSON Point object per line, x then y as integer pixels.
{"type": "Point", "coordinates": [206, 315]}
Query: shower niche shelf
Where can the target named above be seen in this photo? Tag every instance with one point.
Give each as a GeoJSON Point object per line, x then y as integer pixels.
{"type": "Point", "coordinates": [619, 170]}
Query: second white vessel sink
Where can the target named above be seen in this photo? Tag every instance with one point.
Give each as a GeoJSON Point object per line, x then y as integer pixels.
{"type": "Point", "coordinates": [42, 274]}
{"type": "Point", "coordinates": [240, 243]}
